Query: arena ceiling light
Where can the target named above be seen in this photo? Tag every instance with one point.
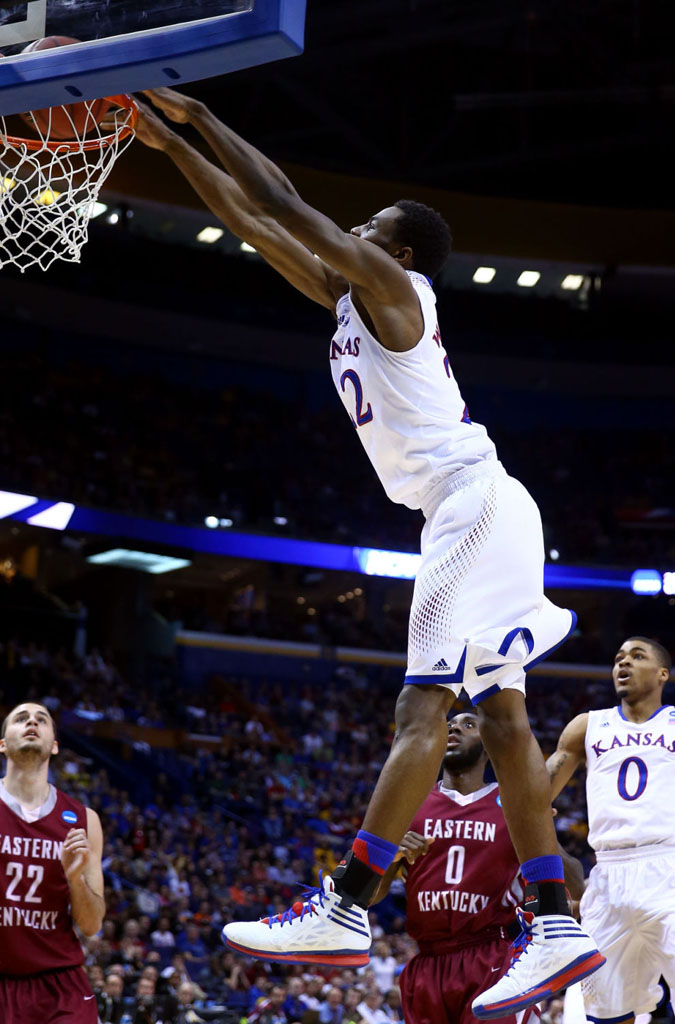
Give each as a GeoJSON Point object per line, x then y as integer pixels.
{"type": "Point", "coordinates": [399, 564]}
{"type": "Point", "coordinates": [528, 278]}
{"type": "Point", "coordinates": [56, 517]}
{"type": "Point", "coordinates": [210, 235]}
{"type": "Point", "coordinates": [483, 275]}
{"type": "Point", "coordinates": [10, 502]}
{"type": "Point", "coordinates": [572, 282]}
{"type": "Point", "coordinates": [646, 581]}
{"type": "Point", "coordinates": [48, 197]}
{"type": "Point", "coordinates": [120, 530]}
{"type": "Point", "coordinates": [142, 561]}
{"type": "Point", "coordinates": [245, 247]}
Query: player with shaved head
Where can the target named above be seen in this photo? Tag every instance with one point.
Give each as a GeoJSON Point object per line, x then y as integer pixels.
{"type": "Point", "coordinates": [462, 881]}
{"type": "Point", "coordinates": [629, 752]}
{"type": "Point", "coordinates": [50, 881]}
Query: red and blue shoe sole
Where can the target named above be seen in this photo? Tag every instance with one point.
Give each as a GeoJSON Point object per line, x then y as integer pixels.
{"type": "Point", "coordinates": [341, 958]}
{"type": "Point", "coordinates": [578, 969]}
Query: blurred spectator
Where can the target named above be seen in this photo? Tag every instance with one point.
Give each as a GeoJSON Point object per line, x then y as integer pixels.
{"type": "Point", "coordinates": [392, 1004]}
{"type": "Point", "coordinates": [186, 1013]}
{"type": "Point", "coordinates": [270, 1010]}
{"type": "Point", "coordinates": [370, 1008]}
{"type": "Point", "coordinates": [147, 1007]}
{"type": "Point", "coordinates": [163, 939]}
{"type": "Point", "coordinates": [190, 944]}
{"type": "Point", "coordinates": [351, 1000]}
{"type": "Point", "coordinates": [110, 1001]}
{"type": "Point", "coordinates": [332, 1010]}
{"type": "Point", "coordinates": [294, 1007]}
{"type": "Point", "coordinates": [311, 997]}
{"type": "Point", "coordinates": [383, 965]}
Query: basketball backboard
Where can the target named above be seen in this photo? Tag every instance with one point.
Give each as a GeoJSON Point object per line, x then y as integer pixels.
{"type": "Point", "coordinates": [124, 45]}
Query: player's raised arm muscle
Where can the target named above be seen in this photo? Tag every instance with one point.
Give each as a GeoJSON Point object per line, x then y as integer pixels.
{"type": "Point", "coordinates": [267, 187]}
{"type": "Point", "coordinates": [229, 204]}
{"type": "Point", "coordinates": [569, 754]}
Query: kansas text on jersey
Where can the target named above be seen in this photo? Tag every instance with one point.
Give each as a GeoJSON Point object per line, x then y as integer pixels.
{"type": "Point", "coordinates": [406, 406]}
{"type": "Point", "coordinates": [629, 780]}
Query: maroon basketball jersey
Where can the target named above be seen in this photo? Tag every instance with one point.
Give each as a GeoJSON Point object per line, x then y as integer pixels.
{"type": "Point", "coordinates": [37, 929]}
{"type": "Point", "coordinates": [468, 881]}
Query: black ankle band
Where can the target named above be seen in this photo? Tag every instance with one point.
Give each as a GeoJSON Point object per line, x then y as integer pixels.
{"type": "Point", "coordinates": [546, 898]}
{"type": "Point", "coordinates": [355, 882]}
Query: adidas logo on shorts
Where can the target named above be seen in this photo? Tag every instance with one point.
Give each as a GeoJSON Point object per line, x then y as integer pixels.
{"type": "Point", "coordinates": [440, 666]}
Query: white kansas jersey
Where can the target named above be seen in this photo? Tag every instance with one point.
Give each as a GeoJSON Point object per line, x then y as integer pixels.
{"type": "Point", "coordinates": [629, 782]}
{"type": "Point", "coordinates": [406, 406]}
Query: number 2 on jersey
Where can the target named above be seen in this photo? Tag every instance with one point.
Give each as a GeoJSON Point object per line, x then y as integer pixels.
{"type": "Point", "coordinates": [362, 415]}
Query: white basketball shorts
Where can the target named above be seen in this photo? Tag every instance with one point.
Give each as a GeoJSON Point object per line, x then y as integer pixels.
{"type": "Point", "coordinates": [629, 909]}
{"type": "Point", "coordinates": [479, 618]}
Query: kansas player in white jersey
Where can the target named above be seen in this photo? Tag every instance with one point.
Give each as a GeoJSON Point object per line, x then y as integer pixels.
{"type": "Point", "coordinates": [479, 617]}
{"type": "Point", "coordinates": [629, 904]}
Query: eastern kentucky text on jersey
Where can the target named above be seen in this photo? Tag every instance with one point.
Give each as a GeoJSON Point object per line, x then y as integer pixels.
{"type": "Point", "coordinates": [468, 879]}
{"type": "Point", "coordinates": [36, 928]}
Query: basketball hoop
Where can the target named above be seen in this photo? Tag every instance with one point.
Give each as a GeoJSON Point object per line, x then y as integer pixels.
{"type": "Point", "coordinates": [49, 184]}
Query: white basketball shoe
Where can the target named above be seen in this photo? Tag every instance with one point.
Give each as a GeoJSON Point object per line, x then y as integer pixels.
{"type": "Point", "coordinates": [316, 930]}
{"type": "Point", "coordinates": [551, 952]}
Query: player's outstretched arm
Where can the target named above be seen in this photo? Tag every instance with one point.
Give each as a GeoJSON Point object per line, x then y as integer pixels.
{"type": "Point", "coordinates": [81, 860]}
{"type": "Point", "coordinates": [226, 200]}
{"type": "Point", "coordinates": [360, 262]}
{"type": "Point", "coordinates": [570, 753]}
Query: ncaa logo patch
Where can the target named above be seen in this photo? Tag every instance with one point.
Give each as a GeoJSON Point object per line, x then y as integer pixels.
{"type": "Point", "coordinates": [499, 801]}
{"type": "Point", "coordinates": [69, 817]}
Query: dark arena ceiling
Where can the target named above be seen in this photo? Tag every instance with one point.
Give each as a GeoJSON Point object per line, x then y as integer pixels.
{"type": "Point", "coordinates": [542, 99]}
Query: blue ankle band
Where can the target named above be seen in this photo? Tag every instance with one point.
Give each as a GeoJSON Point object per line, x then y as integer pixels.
{"type": "Point", "coordinates": [375, 852]}
{"type": "Point", "coordinates": [543, 869]}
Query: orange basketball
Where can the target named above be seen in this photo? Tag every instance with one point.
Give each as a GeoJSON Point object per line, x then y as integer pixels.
{"type": "Point", "coordinates": [71, 120]}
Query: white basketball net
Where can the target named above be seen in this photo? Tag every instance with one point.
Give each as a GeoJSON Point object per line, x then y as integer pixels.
{"type": "Point", "coordinates": [49, 187]}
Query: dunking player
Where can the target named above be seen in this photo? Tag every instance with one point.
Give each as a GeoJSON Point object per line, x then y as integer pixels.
{"type": "Point", "coordinates": [479, 617]}
{"type": "Point", "coordinates": [50, 879]}
{"type": "Point", "coordinates": [461, 887]}
{"type": "Point", "coordinates": [629, 903]}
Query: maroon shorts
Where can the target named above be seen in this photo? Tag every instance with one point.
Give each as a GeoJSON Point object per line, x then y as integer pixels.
{"type": "Point", "coordinates": [55, 997]}
{"type": "Point", "coordinates": [439, 988]}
